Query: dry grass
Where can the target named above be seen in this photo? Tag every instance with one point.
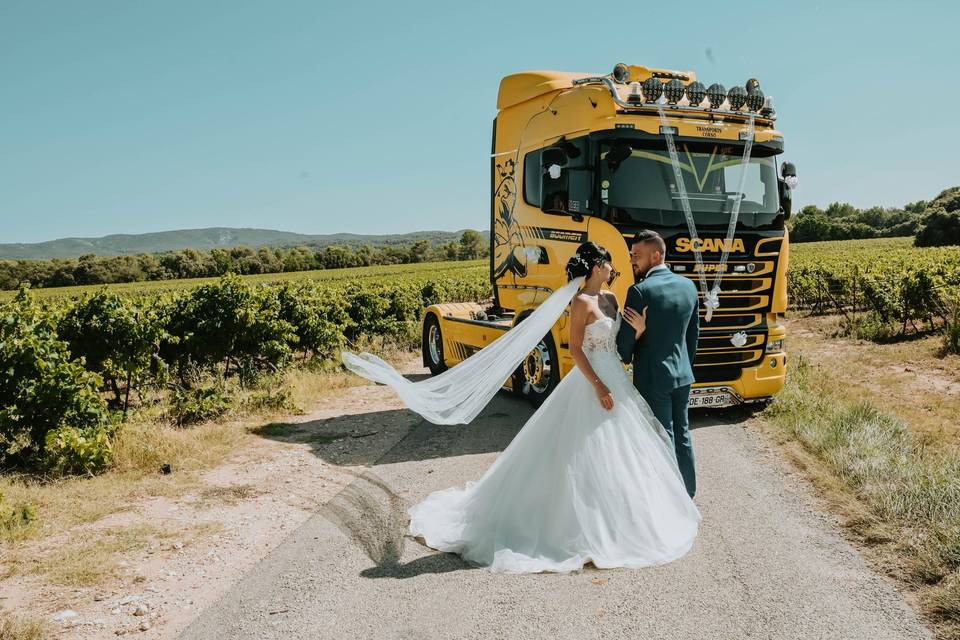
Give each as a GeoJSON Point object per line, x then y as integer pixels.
{"type": "Point", "coordinates": [897, 487]}
{"type": "Point", "coordinates": [309, 387]}
{"type": "Point", "coordinates": [913, 379]}
{"type": "Point", "coordinates": [95, 556]}
{"type": "Point", "coordinates": [19, 628]}
{"type": "Point", "coordinates": [144, 447]}
{"type": "Point", "coordinates": [234, 494]}
{"type": "Point", "coordinates": [66, 503]}
{"type": "Point", "coordinates": [90, 560]}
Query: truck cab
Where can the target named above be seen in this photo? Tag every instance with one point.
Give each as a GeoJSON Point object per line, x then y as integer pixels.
{"type": "Point", "coordinates": [579, 157]}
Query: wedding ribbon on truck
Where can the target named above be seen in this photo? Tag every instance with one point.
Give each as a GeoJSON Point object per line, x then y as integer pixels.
{"type": "Point", "coordinates": [711, 295]}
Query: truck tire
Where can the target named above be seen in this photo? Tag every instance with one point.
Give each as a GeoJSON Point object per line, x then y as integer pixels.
{"type": "Point", "coordinates": [539, 373]}
{"type": "Point", "coordinates": [433, 345]}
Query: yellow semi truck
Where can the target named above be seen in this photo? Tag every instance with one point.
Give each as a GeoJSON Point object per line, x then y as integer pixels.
{"type": "Point", "coordinates": [579, 157]}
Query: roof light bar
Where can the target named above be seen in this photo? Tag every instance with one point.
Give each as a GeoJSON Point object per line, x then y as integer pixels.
{"type": "Point", "coordinates": [646, 95]}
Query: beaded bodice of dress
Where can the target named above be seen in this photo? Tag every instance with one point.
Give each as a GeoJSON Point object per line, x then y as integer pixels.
{"type": "Point", "coordinates": [601, 335]}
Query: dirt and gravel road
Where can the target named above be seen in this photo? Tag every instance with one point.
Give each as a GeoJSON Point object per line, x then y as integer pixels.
{"type": "Point", "coordinates": [767, 564]}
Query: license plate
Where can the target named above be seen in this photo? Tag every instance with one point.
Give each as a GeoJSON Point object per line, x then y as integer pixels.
{"type": "Point", "coordinates": [720, 399]}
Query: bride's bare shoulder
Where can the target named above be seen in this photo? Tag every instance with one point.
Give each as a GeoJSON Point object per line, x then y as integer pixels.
{"type": "Point", "coordinates": [581, 306]}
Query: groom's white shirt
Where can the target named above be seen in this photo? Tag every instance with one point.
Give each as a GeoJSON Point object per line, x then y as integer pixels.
{"type": "Point", "coordinates": [657, 268]}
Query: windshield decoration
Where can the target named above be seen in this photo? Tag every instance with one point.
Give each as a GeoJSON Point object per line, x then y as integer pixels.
{"type": "Point", "coordinates": [711, 296]}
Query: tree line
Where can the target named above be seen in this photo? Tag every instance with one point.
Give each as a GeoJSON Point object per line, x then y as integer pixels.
{"type": "Point", "coordinates": [191, 263]}
{"type": "Point", "coordinates": [931, 223]}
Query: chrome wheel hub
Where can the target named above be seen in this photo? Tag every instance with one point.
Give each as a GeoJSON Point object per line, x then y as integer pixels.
{"type": "Point", "coordinates": [537, 368]}
{"type": "Point", "coordinates": [433, 342]}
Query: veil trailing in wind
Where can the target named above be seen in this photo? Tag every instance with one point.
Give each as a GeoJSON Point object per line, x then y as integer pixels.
{"type": "Point", "coordinates": [457, 395]}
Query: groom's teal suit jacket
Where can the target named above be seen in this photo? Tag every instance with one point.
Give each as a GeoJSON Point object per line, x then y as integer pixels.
{"type": "Point", "coordinates": [663, 356]}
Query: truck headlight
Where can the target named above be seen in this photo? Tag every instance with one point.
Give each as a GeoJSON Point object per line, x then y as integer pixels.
{"type": "Point", "coordinates": [696, 92]}
{"type": "Point", "coordinates": [775, 345]}
{"type": "Point", "coordinates": [716, 94]}
{"type": "Point", "coordinates": [737, 97]}
{"type": "Point", "coordinates": [652, 89]}
{"type": "Point", "coordinates": [674, 91]}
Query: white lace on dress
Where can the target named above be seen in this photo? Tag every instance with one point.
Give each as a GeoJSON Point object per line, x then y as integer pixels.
{"type": "Point", "coordinates": [601, 335]}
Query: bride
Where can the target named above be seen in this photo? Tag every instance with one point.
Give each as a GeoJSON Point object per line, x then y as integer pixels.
{"type": "Point", "coordinates": [591, 477]}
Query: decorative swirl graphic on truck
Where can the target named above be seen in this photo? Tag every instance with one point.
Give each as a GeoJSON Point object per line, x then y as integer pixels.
{"type": "Point", "coordinates": [508, 245]}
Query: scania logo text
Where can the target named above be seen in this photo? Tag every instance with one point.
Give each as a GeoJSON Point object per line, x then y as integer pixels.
{"type": "Point", "coordinates": [685, 245]}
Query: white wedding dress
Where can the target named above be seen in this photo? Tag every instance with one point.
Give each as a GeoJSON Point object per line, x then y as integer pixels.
{"type": "Point", "coordinates": [577, 484]}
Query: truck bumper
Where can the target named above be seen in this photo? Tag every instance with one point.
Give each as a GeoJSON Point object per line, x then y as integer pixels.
{"type": "Point", "coordinates": [756, 384]}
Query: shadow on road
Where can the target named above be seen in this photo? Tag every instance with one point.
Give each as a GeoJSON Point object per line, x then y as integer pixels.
{"type": "Point", "coordinates": [399, 435]}
{"type": "Point", "coordinates": [434, 563]}
{"type": "Point", "coordinates": [372, 516]}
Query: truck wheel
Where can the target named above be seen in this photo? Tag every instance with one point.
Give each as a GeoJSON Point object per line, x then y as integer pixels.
{"type": "Point", "coordinates": [433, 345]}
{"type": "Point", "coordinates": [539, 373]}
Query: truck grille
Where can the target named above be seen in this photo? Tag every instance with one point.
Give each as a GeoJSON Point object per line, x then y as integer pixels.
{"type": "Point", "coordinates": [745, 299]}
{"type": "Point", "coordinates": [717, 374]}
{"type": "Point", "coordinates": [741, 358]}
{"type": "Point", "coordinates": [726, 322]}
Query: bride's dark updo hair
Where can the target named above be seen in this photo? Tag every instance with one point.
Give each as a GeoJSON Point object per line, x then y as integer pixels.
{"type": "Point", "coordinates": [588, 256]}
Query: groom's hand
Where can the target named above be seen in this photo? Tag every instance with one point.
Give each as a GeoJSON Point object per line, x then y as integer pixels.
{"type": "Point", "coordinates": [636, 320]}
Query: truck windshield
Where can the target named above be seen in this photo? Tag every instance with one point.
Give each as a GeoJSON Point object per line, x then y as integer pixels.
{"type": "Point", "coordinates": [641, 189]}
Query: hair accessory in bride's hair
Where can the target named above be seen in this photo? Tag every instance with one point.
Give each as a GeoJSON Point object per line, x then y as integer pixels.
{"type": "Point", "coordinates": [577, 266]}
{"type": "Point", "coordinates": [588, 256]}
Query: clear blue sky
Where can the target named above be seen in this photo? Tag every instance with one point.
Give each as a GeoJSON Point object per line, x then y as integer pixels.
{"type": "Point", "coordinates": [319, 117]}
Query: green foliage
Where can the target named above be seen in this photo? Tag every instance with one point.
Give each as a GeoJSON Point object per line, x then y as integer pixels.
{"type": "Point", "coordinates": [199, 404]}
{"type": "Point", "coordinates": [940, 228]}
{"type": "Point", "coordinates": [233, 328]}
{"type": "Point", "coordinates": [319, 317]}
{"type": "Point", "coordinates": [270, 399]}
{"type": "Point", "coordinates": [951, 334]}
{"type": "Point", "coordinates": [117, 340]}
{"type": "Point", "coordinates": [92, 269]}
{"type": "Point", "coordinates": [81, 452]}
{"type": "Point", "coordinates": [843, 221]}
{"type": "Point", "coordinates": [889, 278]}
{"type": "Point", "coordinates": [472, 245]}
{"type": "Point", "coordinates": [42, 387]}
{"type": "Point", "coordinates": [229, 323]}
{"type": "Point", "coordinates": [940, 223]}
{"type": "Point", "coordinates": [15, 518]}
{"type": "Point", "coordinates": [333, 277]}
{"type": "Point", "coordinates": [369, 310]}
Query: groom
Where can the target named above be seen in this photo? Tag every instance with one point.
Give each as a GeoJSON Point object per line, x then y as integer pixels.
{"type": "Point", "coordinates": [663, 355]}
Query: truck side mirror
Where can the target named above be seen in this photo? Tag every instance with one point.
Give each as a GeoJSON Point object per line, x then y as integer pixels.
{"type": "Point", "coordinates": [554, 181]}
{"type": "Point", "coordinates": [786, 185]}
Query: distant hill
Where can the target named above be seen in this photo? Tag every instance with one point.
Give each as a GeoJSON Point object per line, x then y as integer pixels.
{"type": "Point", "coordinates": [206, 239]}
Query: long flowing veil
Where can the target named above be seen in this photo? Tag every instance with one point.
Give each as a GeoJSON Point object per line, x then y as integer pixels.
{"type": "Point", "coordinates": [457, 395]}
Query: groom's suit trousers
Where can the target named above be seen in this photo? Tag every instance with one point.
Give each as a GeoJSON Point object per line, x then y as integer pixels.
{"type": "Point", "coordinates": [670, 408]}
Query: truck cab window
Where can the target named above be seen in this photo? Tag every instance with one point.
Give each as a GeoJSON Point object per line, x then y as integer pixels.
{"type": "Point", "coordinates": [531, 178]}
{"type": "Point", "coordinates": [641, 189]}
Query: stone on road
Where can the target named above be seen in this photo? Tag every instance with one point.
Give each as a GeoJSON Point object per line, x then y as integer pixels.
{"type": "Point", "coordinates": [765, 565]}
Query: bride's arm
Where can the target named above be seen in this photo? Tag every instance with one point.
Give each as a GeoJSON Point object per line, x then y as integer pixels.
{"type": "Point", "coordinates": [579, 313]}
